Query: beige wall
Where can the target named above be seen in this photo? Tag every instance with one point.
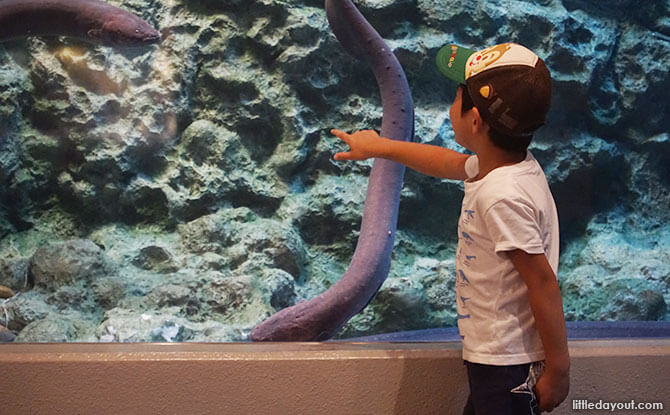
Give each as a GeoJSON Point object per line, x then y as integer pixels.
{"type": "Point", "coordinates": [296, 378]}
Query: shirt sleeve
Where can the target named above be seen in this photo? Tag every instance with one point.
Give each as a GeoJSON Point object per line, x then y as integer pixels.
{"type": "Point", "coordinates": [472, 166]}
{"type": "Point", "coordinates": [512, 224]}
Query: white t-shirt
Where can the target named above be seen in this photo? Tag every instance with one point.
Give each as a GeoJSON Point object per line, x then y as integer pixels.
{"type": "Point", "coordinates": [510, 208]}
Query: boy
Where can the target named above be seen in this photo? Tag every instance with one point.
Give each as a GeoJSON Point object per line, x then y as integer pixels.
{"type": "Point", "coordinates": [510, 314]}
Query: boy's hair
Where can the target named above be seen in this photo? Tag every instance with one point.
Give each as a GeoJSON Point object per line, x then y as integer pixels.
{"type": "Point", "coordinates": [509, 84]}
{"type": "Point", "coordinates": [500, 140]}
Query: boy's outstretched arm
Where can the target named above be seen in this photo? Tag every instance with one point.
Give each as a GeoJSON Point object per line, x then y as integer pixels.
{"type": "Point", "coordinates": [547, 308]}
{"type": "Point", "coordinates": [424, 158]}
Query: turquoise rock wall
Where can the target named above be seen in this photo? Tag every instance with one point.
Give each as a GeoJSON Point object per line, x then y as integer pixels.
{"type": "Point", "coordinates": [185, 192]}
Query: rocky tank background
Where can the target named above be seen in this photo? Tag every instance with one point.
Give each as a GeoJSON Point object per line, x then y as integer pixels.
{"type": "Point", "coordinates": [187, 191]}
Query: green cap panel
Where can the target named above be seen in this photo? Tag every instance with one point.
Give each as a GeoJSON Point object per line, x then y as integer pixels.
{"type": "Point", "coordinates": [451, 60]}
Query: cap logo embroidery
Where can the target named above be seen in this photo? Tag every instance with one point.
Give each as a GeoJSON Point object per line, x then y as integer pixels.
{"type": "Point", "coordinates": [452, 58]}
{"type": "Point", "coordinates": [485, 91]}
{"type": "Point", "coordinates": [484, 58]}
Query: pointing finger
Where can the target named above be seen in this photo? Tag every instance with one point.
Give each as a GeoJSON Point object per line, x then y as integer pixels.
{"type": "Point", "coordinates": [343, 155]}
{"type": "Point", "coordinates": [341, 134]}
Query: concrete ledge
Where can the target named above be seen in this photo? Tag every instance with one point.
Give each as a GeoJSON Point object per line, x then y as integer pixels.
{"type": "Point", "coordinates": [293, 378]}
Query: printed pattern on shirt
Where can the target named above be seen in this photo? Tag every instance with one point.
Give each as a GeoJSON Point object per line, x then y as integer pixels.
{"type": "Point", "coordinates": [463, 261]}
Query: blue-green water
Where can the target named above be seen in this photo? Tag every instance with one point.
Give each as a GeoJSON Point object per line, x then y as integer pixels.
{"type": "Point", "coordinates": [186, 191]}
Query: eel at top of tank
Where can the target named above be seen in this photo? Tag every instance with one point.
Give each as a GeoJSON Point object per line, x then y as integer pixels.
{"type": "Point", "coordinates": [90, 20]}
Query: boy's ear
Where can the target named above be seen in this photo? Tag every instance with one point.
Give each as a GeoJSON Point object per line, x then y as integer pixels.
{"type": "Point", "coordinates": [477, 122]}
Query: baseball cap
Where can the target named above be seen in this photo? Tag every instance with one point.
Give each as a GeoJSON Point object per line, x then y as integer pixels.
{"type": "Point", "coordinates": [509, 84]}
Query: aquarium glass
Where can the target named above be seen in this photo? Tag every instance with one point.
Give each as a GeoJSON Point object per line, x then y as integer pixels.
{"type": "Point", "coordinates": [186, 190]}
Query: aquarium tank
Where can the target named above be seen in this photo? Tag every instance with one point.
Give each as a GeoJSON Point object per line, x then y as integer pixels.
{"type": "Point", "coordinates": [186, 190]}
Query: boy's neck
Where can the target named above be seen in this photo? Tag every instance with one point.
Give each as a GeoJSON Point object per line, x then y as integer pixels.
{"type": "Point", "coordinates": [492, 157]}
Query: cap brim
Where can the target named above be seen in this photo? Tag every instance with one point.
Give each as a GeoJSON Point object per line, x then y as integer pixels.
{"type": "Point", "coordinates": [451, 60]}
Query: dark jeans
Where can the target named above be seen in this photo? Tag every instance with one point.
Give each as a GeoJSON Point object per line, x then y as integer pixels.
{"type": "Point", "coordinates": [491, 389]}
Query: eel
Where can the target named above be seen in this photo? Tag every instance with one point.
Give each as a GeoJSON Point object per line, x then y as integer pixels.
{"type": "Point", "coordinates": [322, 316]}
{"type": "Point", "coordinates": [92, 21]}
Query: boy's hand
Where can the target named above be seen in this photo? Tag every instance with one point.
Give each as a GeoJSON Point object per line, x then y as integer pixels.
{"type": "Point", "coordinates": [363, 144]}
{"type": "Point", "coordinates": [552, 389]}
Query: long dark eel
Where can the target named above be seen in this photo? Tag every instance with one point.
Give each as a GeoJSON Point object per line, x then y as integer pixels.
{"type": "Point", "coordinates": [89, 20]}
{"type": "Point", "coordinates": [321, 317]}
